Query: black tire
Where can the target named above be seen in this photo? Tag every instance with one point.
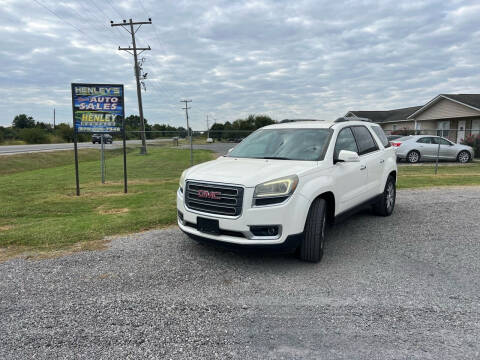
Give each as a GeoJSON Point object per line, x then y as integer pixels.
{"type": "Point", "coordinates": [413, 157]}
{"type": "Point", "coordinates": [463, 157]}
{"type": "Point", "coordinates": [311, 248]}
{"type": "Point", "coordinates": [386, 202]}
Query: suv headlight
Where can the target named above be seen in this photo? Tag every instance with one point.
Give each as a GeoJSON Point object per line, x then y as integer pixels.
{"type": "Point", "coordinates": [181, 182]}
{"type": "Point", "coordinates": [282, 187]}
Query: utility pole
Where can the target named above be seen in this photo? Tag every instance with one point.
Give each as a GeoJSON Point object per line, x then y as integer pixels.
{"type": "Point", "coordinates": [188, 128]}
{"type": "Point", "coordinates": [208, 129]}
{"type": "Point", "coordinates": [133, 51]}
{"type": "Point", "coordinates": [53, 118]}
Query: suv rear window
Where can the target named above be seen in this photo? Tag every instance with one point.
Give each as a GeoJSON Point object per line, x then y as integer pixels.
{"type": "Point", "coordinates": [381, 135]}
{"type": "Point", "coordinates": [365, 141]}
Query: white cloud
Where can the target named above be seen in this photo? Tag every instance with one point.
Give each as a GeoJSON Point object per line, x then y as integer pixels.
{"type": "Point", "coordinates": [305, 58]}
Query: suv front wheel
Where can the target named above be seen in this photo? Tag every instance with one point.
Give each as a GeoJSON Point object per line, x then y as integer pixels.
{"type": "Point", "coordinates": [311, 248]}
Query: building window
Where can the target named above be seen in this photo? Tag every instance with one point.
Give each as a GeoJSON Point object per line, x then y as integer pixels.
{"type": "Point", "coordinates": [443, 128]}
{"type": "Point", "coordinates": [394, 127]}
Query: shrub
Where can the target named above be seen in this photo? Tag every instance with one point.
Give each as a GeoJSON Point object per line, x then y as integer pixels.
{"type": "Point", "coordinates": [404, 132]}
{"type": "Point", "coordinates": [35, 136]}
{"type": "Point", "coordinates": [474, 142]}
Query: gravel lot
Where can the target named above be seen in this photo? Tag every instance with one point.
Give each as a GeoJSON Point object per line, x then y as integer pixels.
{"type": "Point", "coordinates": [402, 287]}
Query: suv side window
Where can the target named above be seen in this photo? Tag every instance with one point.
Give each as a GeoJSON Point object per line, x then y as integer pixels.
{"type": "Point", "coordinates": [381, 135]}
{"type": "Point", "coordinates": [425, 140]}
{"type": "Point", "coordinates": [345, 141]}
{"type": "Point", "coordinates": [365, 141]}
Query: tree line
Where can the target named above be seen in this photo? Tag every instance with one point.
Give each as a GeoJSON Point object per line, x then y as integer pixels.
{"type": "Point", "coordinates": [240, 128]}
{"type": "Point", "coordinates": [26, 129]}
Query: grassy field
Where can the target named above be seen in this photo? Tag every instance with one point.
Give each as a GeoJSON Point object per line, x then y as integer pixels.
{"type": "Point", "coordinates": [448, 175]}
{"type": "Point", "coordinates": [39, 209]}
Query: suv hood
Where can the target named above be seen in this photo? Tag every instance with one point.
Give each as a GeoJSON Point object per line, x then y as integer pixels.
{"type": "Point", "coordinates": [246, 172]}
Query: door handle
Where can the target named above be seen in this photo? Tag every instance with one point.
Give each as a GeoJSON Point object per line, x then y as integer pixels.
{"type": "Point", "coordinates": [382, 161]}
{"type": "Point", "coordinates": [363, 167]}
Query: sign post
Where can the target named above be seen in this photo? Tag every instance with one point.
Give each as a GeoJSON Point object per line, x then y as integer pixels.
{"type": "Point", "coordinates": [102, 159]}
{"type": "Point", "coordinates": [98, 108]}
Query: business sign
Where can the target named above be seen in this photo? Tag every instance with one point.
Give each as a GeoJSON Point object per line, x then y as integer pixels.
{"type": "Point", "coordinates": [97, 108]}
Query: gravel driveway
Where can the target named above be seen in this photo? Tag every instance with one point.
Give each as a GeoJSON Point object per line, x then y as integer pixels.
{"type": "Point", "coordinates": [402, 287]}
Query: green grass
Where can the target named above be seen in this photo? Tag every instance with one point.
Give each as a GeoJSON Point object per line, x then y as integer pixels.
{"type": "Point", "coordinates": [39, 208]}
{"type": "Point", "coordinates": [448, 175]}
{"type": "Point", "coordinates": [10, 164]}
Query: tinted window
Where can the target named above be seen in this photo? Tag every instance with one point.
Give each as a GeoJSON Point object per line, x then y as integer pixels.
{"type": "Point", "coordinates": [381, 135]}
{"type": "Point", "coordinates": [364, 139]}
{"type": "Point", "coordinates": [345, 141]}
{"type": "Point", "coordinates": [425, 140]}
{"type": "Point", "coordinates": [287, 144]}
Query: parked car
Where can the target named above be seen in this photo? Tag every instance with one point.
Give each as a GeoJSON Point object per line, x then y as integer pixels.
{"type": "Point", "coordinates": [415, 148]}
{"type": "Point", "coordinates": [209, 140]}
{"type": "Point", "coordinates": [393, 137]}
{"type": "Point", "coordinates": [284, 183]}
{"type": "Point", "coordinates": [97, 138]}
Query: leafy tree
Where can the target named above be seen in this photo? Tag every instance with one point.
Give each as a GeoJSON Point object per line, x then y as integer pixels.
{"type": "Point", "coordinates": [34, 136]}
{"type": "Point", "coordinates": [42, 125]}
{"type": "Point", "coordinates": [23, 121]}
{"type": "Point", "coordinates": [216, 131]}
{"type": "Point", "coordinates": [65, 131]}
{"type": "Point", "coordinates": [241, 127]}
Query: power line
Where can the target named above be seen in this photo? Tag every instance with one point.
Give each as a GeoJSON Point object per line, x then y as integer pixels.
{"type": "Point", "coordinates": [67, 22]}
{"type": "Point", "coordinates": [105, 17]}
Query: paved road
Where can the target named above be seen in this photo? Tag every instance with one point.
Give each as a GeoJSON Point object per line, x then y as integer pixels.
{"type": "Point", "coordinates": [217, 147]}
{"type": "Point", "coordinates": [18, 149]}
{"type": "Point", "coordinates": [403, 287]}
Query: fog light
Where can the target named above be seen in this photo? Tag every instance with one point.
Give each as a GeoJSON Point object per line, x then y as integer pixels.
{"type": "Point", "coordinates": [265, 230]}
{"type": "Point", "coordinates": [180, 217]}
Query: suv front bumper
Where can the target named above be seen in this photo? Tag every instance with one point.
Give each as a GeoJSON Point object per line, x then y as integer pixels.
{"type": "Point", "coordinates": [289, 216]}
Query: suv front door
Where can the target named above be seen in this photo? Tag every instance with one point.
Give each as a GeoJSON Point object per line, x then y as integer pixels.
{"type": "Point", "coordinates": [350, 177]}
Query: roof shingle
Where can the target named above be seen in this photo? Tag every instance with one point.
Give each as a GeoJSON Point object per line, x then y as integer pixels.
{"type": "Point", "coordinates": [387, 115]}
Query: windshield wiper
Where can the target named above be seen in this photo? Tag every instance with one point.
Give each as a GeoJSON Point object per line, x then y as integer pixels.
{"type": "Point", "coordinates": [275, 158]}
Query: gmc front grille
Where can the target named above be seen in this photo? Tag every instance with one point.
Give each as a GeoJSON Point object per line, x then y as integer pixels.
{"type": "Point", "coordinates": [214, 198]}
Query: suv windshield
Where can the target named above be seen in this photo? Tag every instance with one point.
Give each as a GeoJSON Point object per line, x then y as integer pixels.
{"type": "Point", "coordinates": [284, 144]}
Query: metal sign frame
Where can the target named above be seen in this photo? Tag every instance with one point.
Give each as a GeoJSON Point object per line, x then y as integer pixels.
{"type": "Point", "coordinates": [122, 130]}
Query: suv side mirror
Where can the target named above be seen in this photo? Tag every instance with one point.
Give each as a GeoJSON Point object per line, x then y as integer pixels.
{"type": "Point", "coordinates": [348, 156]}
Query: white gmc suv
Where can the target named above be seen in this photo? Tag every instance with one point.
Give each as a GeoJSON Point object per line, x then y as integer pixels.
{"type": "Point", "coordinates": [284, 183]}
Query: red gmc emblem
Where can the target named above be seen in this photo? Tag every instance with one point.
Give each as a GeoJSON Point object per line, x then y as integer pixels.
{"type": "Point", "coordinates": [215, 195]}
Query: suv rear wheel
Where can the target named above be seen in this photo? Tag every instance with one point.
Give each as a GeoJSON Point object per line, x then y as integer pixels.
{"type": "Point", "coordinates": [311, 248]}
{"type": "Point", "coordinates": [386, 202]}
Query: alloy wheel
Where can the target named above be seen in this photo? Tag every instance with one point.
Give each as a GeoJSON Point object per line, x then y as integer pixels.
{"type": "Point", "coordinates": [463, 157]}
{"type": "Point", "coordinates": [413, 157]}
{"type": "Point", "coordinates": [390, 196]}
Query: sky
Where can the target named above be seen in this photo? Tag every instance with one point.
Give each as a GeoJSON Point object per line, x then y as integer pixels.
{"type": "Point", "coordinates": [287, 59]}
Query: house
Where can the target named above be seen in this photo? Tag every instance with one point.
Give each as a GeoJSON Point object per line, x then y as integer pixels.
{"type": "Point", "coordinates": [454, 116]}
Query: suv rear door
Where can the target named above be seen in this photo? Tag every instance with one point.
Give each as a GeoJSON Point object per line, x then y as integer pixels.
{"type": "Point", "coordinates": [370, 153]}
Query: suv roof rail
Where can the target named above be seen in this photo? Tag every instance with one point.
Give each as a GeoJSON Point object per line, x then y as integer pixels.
{"type": "Point", "coordinates": [295, 120]}
{"type": "Point", "coordinates": [343, 118]}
